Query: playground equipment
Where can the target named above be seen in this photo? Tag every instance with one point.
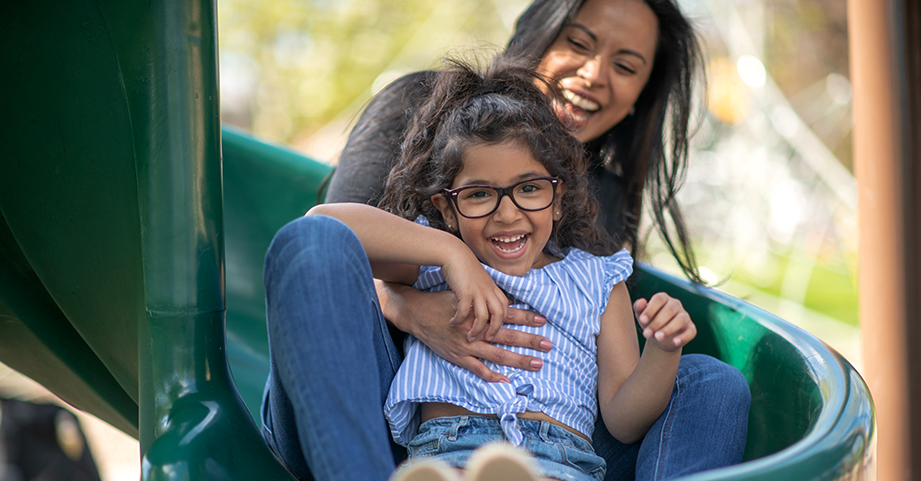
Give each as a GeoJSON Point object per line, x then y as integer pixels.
{"type": "Point", "coordinates": [124, 238]}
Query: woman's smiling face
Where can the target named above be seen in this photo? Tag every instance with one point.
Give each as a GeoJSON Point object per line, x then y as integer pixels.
{"type": "Point", "coordinates": [510, 240]}
{"type": "Point", "coordinates": [600, 62]}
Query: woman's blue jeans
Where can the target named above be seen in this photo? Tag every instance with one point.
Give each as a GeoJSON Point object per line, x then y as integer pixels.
{"type": "Point", "coordinates": [332, 360]}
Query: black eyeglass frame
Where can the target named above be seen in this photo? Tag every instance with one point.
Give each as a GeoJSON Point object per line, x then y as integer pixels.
{"type": "Point", "coordinates": [503, 191]}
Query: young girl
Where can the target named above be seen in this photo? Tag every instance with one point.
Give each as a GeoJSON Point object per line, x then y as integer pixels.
{"type": "Point", "coordinates": [504, 191]}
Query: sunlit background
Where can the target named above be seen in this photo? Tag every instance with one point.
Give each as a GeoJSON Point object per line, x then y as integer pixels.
{"type": "Point", "coordinates": [769, 196]}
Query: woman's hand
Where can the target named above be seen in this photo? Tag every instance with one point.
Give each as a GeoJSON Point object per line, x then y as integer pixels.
{"type": "Point", "coordinates": [665, 322]}
{"type": "Point", "coordinates": [426, 316]}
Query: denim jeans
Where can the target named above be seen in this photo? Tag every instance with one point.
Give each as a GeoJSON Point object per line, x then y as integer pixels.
{"type": "Point", "coordinates": [704, 426]}
{"type": "Point", "coordinates": [331, 355]}
{"type": "Point", "coordinates": [332, 360]}
{"type": "Point", "coordinates": [558, 453]}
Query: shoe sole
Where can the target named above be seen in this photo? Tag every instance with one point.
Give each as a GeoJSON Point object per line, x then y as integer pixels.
{"type": "Point", "coordinates": [501, 462]}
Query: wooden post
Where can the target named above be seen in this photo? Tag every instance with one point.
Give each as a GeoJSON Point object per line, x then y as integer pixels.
{"type": "Point", "coordinates": [911, 181]}
{"type": "Point", "coordinates": [885, 44]}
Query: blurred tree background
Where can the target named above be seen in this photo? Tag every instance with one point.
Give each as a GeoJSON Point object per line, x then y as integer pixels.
{"type": "Point", "coordinates": [769, 195]}
{"type": "Point", "coordinates": [298, 71]}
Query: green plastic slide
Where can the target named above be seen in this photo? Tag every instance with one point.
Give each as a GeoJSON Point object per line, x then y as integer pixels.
{"type": "Point", "coordinates": [131, 256]}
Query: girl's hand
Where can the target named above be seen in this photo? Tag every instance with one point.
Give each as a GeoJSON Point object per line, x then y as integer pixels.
{"type": "Point", "coordinates": [425, 316]}
{"type": "Point", "coordinates": [476, 294]}
{"type": "Point", "coordinates": [665, 322]}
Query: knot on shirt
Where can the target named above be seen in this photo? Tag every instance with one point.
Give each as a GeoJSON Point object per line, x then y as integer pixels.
{"type": "Point", "coordinates": [508, 414]}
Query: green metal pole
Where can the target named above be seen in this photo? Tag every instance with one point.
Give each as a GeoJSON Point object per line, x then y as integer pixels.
{"type": "Point", "coordinates": [179, 192]}
{"type": "Point", "coordinates": [190, 415]}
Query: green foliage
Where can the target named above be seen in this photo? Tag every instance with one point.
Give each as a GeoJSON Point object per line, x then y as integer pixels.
{"type": "Point", "coordinates": [311, 62]}
{"type": "Point", "coordinates": [831, 288]}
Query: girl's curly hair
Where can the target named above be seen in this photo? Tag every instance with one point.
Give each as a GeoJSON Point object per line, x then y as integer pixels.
{"type": "Point", "coordinates": [501, 104]}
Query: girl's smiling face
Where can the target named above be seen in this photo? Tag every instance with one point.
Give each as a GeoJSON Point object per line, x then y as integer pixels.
{"type": "Point", "coordinates": [600, 62]}
{"type": "Point", "coordinates": [510, 240]}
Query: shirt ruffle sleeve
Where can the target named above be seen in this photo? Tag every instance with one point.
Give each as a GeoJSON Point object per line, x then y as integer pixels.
{"type": "Point", "coordinates": [617, 268]}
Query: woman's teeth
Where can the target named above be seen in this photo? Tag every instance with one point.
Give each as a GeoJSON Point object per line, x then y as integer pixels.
{"type": "Point", "coordinates": [509, 244]}
{"type": "Point", "coordinates": [579, 101]}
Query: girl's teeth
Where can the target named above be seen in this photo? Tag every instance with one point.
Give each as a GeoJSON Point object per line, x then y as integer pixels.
{"type": "Point", "coordinates": [579, 101]}
{"type": "Point", "coordinates": [508, 239]}
{"type": "Point", "coordinates": [509, 244]}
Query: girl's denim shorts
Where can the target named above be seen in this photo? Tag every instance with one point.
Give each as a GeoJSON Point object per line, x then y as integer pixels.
{"type": "Point", "coordinates": [559, 453]}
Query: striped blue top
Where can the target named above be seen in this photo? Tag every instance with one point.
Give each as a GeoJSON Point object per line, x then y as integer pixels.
{"type": "Point", "coordinates": [572, 294]}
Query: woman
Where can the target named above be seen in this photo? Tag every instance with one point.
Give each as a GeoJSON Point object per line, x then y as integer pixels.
{"type": "Point", "coordinates": [625, 69]}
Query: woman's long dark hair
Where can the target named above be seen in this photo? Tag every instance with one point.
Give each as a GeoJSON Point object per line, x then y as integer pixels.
{"type": "Point", "coordinates": [649, 148]}
{"type": "Point", "coordinates": [502, 104]}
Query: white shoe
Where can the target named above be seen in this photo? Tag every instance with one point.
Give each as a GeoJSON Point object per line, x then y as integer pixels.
{"type": "Point", "coordinates": [426, 469]}
{"type": "Point", "coordinates": [501, 462]}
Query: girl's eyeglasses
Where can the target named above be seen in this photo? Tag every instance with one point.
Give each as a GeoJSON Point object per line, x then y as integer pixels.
{"type": "Point", "coordinates": [475, 201]}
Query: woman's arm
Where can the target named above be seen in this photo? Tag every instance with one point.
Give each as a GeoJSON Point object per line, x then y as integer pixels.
{"type": "Point", "coordinates": [396, 247]}
{"type": "Point", "coordinates": [634, 389]}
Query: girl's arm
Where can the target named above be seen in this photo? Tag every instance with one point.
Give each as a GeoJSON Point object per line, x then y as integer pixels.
{"type": "Point", "coordinates": [634, 389]}
{"type": "Point", "coordinates": [397, 247]}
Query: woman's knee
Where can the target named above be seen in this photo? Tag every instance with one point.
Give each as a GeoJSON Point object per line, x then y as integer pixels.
{"type": "Point", "coordinates": [314, 230]}
{"type": "Point", "coordinates": [720, 379]}
{"type": "Point", "coordinates": [318, 236]}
